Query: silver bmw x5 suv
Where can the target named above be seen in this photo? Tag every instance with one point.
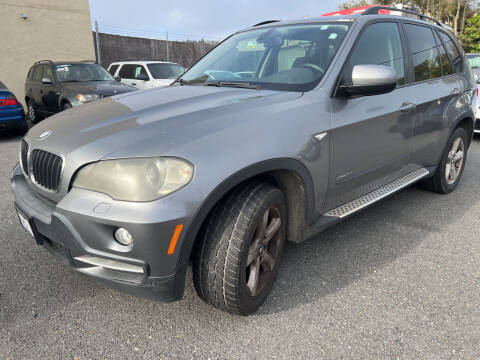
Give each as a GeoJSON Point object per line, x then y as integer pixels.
{"type": "Point", "coordinates": [282, 130]}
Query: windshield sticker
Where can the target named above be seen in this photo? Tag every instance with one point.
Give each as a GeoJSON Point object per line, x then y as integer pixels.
{"type": "Point", "coordinates": [65, 67]}
{"type": "Point", "coordinates": [251, 44]}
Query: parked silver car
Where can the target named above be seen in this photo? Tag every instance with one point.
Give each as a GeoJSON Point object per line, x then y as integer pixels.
{"type": "Point", "coordinates": [282, 130]}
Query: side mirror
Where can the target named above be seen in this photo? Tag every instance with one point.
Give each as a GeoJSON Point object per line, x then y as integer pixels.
{"type": "Point", "coordinates": [368, 80]}
{"type": "Point", "coordinates": [118, 78]}
{"type": "Point", "coordinates": [143, 77]}
{"type": "Point", "coordinates": [47, 81]}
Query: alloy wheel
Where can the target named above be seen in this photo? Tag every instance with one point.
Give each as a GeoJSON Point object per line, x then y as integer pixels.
{"type": "Point", "coordinates": [455, 159]}
{"type": "Point", "coordinates": [31, 113]}
{"type": "Point", "coordinates": [263, 252]}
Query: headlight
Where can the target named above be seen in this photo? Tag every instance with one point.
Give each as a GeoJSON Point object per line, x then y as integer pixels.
{"type": "Point", "coordinates": [137, 179]}
{"type": "Point", "coordinates": [87, 97]}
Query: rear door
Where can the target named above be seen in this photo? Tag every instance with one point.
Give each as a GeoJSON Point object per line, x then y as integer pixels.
{"type": "Point", "coordinates": [435, 87]}
{"type": "Point", "coordinates": [371, 138]}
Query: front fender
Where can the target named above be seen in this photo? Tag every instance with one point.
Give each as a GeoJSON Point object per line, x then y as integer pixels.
{"type": "Point", "coordinates": [234, 180]}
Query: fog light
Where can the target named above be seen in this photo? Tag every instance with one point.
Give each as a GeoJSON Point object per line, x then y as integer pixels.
{"type": "Point", "coordinates": [123, 237]}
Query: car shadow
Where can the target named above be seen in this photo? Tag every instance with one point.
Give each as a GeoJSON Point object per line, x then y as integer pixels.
{"type": "Point", "coordinates": [327, 263]}
{"type": "Point", "coordinates": [365, 242]}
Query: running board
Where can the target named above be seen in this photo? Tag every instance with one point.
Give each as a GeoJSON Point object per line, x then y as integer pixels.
{"type": "Point", "coordinates": [335, 215]}
{"type": "Point", "coordinates": [374, 196]}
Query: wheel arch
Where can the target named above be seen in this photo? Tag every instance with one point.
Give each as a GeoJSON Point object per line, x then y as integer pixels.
{"type": "Point", "coordinates": [290, 175]}
{"type": "Point", "coordinates": [62, 101]}
{"type": "Point", "coordinates": [468, 124]}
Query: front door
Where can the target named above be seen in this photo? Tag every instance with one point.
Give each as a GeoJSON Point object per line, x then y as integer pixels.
{"type": "Point", "coordinates": [371, 136]}
{"type": "Point", "coordinates": [50, 93]}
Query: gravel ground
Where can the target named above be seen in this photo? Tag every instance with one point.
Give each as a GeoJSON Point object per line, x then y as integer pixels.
{"type": "Point", "coordinates": [399, 280]}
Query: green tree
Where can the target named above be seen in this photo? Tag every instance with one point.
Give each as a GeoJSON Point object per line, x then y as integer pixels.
{"type": "Point", "coordinates": [471, 34]}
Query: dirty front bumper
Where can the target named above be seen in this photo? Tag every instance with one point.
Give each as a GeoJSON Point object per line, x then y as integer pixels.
{"type": "Point", "coordinates": [83, 239]}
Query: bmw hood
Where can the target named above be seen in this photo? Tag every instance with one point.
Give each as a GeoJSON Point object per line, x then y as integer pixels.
{"type": "Point", "coordinates": [154, 122]}
{"type": "Point", "coordinates": [102, 88]}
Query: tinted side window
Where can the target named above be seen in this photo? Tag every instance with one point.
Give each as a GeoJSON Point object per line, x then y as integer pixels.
{"type": "Point", "coordinates": [380, 44]}
{"type": "Point", "coordinates": [47, 72]}
{"type": "Point", "coordinates": [131, 71]}
{"type": "Point", "coordinates": [127, 71]}
{"type": "Point", "coordinates": [447, 68]}
{"type": "Point", "coordinates": [113, 69]}
{"type": "Point", "coordinates": [139, 69]}
{"type": "Point", "coordinates": [38, 73]}
{"type": "Point", "coordinates": [452, 52]}
{"type": "Point", "coordinates": [426, 60]}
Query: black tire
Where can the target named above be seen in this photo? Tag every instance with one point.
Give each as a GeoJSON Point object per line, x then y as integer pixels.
{"type": "Point", "coordinates": [438, 182]}
{"type": "Point", "coordinates": [32, 112]}
{"type": "Point", "coordinates": [226, 243]}
{"type": "Point", "coordinates": [66, 106]}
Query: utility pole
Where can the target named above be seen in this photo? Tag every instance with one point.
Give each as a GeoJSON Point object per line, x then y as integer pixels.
{"type": "Point", "coordinates": [168, 59]}
{"type": "Point", "coordinates": [99, 58]}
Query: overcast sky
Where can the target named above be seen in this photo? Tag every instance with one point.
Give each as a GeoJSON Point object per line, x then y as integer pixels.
{"type": "Point", "coordinates": [195, 19]}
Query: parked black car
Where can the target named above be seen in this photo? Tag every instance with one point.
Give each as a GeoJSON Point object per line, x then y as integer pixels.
{"type": "Point", "coordinates": [55, 86]}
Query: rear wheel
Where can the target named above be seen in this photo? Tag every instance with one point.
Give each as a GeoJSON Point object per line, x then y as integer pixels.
{"type": "Point", "coordinates": [450, 170]}
{"type": "Point", "coordinates": [238, 255]}
{"type": "Point", "coordinates": [32, 112]}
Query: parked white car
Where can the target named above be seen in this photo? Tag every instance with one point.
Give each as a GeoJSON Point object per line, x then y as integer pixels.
{"type": "Point", "coordinates": [474, 60]}
{"type": "Point", "coordinates": [146, 74]}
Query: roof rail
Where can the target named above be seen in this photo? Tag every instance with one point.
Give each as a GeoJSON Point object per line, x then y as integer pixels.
{"type": "Point", "coordinates": [42, 61]}
{"type": "Point", "coordinates": [375, 9]}
{"type": "Point", "coordinates": [266, 22]}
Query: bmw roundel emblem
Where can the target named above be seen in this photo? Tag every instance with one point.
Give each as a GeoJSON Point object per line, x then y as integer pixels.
{"type": "Point", "coordinates": [45, 134]}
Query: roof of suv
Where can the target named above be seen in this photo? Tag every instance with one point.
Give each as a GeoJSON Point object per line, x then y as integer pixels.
{"type": "Point", "coordinates": [142, 62]}
{"type": "Point", "coordinates": [56, 62]}
{"type": "Point", "coordinates": [350, 17]}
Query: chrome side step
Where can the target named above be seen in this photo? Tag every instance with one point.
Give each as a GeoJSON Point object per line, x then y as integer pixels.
{"type": "Point", "coordinates": [376, 195]}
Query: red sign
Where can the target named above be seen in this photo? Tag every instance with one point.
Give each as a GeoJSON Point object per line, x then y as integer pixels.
{"type": "Point", "coordinates": [357, 10]}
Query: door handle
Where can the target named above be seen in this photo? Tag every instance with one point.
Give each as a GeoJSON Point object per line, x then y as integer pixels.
{"type": "Point", "coordinates": [407, 107]}
{"type": "Point", "coordinates": [134, 83]}
{"type": "Point", "coordinates": [456, 91]}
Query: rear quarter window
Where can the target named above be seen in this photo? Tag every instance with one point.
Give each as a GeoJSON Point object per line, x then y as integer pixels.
{"type": "Point", "coordinates": [452, 52]}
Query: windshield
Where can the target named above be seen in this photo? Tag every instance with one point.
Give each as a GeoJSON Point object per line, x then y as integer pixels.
{"type": "Point", "coordinates": [292, 58]}
{"type": "Point", "coordinates": [474, 61]}
{"type": "Point", "coordinates": [81, 72]}
{"type": "Point", "coordinates": [165, 71]}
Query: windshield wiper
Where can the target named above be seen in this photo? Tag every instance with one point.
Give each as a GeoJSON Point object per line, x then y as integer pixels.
{"type": "Point", "coordinates": [181, 82]}
{"type": "Point", "coordinates": [245, 85]}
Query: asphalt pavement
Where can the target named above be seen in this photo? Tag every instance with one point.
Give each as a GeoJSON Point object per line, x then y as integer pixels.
{"type": "Point", "coordinates": [400, 280]}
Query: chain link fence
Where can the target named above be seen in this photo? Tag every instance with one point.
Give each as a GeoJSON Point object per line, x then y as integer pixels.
{"type": "Point", "coordinates": [113, 48]}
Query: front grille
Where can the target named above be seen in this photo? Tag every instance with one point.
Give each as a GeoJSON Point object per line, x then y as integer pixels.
{"type": "Point", "coordinates": [24, 155]}
{"type": "Point", "coordinates": [477, 125]}
{"type": "Point", "coordinates": [46, 169]}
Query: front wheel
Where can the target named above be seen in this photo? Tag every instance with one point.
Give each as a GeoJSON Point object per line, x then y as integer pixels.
{"type": "Point", "coordinates": [66, 106]}
{"type": "Point", "coordinates": [238, 254]}
{"type": "Point", "coordinates": [450, 170]}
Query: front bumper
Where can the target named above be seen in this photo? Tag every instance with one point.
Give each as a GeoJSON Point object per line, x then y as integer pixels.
{"type": "Point", "coordinates": [84, 241]}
